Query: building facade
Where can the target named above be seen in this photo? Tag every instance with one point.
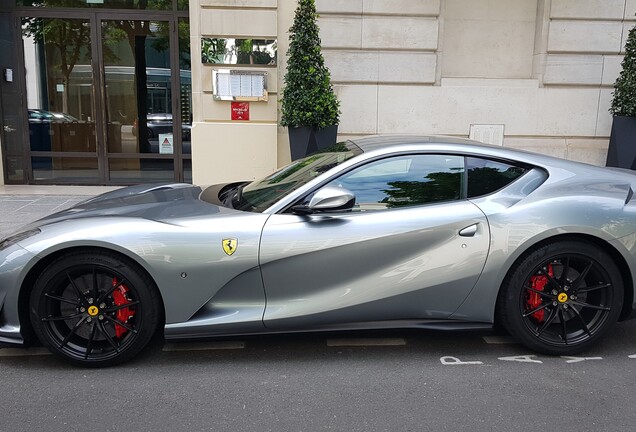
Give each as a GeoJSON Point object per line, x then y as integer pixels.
{"type": "Point", "coordinates": [81, 78]}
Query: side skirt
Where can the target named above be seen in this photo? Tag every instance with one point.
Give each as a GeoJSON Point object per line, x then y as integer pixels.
{"type": "Point", "coordinates": [183, 333]}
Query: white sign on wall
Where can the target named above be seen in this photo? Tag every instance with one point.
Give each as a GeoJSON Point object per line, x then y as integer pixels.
{"type": "Point", "coordinates": [239, 85]}
{"type": "Point", "coordinates": [487, 134]}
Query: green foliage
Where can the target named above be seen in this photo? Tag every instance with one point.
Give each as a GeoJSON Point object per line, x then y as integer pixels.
{"type": "Point", "coordinates": [438, 186]}
{"type": "Point", "coordinates": [624, 101]}
{"type": "Point", "coordinates": [213, 50]}
{"type": "Point", "coordinates": [70, 38]}
{"type": "Point", "coordinates": [308, 97]}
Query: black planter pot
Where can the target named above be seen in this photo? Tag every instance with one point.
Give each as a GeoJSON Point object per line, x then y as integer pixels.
{"type": "Point", "coordinates": [622, 146]}
{"type": "Point", "coordinates": [304, 141]}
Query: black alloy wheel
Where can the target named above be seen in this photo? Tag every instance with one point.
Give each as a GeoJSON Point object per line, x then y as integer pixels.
{"type": "Point", "coordinates": [94, 309]}
{"type": "Point", "coordinates": [562, 298]}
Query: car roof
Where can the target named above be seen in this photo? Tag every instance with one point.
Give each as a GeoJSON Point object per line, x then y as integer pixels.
{"type": "Point", "coordinates": [375, 142]}
{"type": "Point", "coordinates": [388, 143]}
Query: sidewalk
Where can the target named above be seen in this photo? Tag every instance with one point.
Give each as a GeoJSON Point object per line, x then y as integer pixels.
{"type": "Point", "coordinates": [22, 204]}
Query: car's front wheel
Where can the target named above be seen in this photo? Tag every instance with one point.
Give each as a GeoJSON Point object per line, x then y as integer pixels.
{"type": "Point", "coordinates": [94, 309]}
{"type": "Point", "coordinates": [561, 298]}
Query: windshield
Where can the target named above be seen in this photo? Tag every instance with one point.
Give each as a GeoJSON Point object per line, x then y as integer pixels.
{"type": "Point", "coordinates": [261, 194]}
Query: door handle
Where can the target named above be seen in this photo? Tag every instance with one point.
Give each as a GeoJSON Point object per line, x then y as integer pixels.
{"type": "Point", "coordinates": [469, 231]}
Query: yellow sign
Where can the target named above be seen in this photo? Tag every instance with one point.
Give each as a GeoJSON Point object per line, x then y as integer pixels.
{"type": "Point", "coordinates": [563, 297]}
{"type": "Point", "coordinates": [229, 245]}
{"type": "Point", "coordinates": [93, 310]}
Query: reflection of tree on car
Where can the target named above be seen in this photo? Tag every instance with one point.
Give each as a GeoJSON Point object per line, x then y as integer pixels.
{"type": "Point", "coordinates": [440, 186]}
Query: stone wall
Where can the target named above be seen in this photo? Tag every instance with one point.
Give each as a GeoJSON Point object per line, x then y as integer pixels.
{"type": "Point", "coordinates": [542, 68]}
{"type": "Point", "coordinates": [222, 149]}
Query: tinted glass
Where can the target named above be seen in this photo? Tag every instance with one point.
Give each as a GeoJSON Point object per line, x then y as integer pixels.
{"type": "Point", "coordinates": [259, 195]}
{"type": "Point", "coordinates": [15, 169]}
{"type": "Point", "coordinates": [128, 171]}
{"type": "Point", "coordinates": [487, 176]}
{"type": "Point", "coordinates": [138, 83]}
{"type": "Point", "coordinates": [59, 85]}
{"type": "Point", "coordinates": [404, 181]}
{"type": "Point", "coordinates": [116, 4]}
{"type": "Point", "coordinates": [65, 169]}
{"type": "Point", "coordinates": [185, 85]}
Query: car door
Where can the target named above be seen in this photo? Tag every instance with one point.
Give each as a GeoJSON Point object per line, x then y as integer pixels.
{"type": "Point", "coordinates": [412, 248]}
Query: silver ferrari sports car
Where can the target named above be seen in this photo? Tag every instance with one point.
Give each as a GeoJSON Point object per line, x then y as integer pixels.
{"type": "Point", "coordinates": [399, 232]}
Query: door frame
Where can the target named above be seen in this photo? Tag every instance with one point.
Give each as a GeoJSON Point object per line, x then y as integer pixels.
{"type": "Point", "coordinates": [95, 17]}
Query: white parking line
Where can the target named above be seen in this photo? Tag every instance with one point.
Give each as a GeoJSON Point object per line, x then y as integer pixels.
{"type": "Point", "coordinates": [499, 340]}
{"type": "Point", "coordinates": [23, 352]}
{"type": "Point", "coordinates": [209, 346]}
{"type": "Point", "coordinates": [366, 342]}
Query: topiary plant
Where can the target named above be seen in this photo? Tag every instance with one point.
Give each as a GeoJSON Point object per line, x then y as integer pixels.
{"type": "Point", "coordinates": [308, 98]}
{"type": "Point", "coordinates": [624, 101]}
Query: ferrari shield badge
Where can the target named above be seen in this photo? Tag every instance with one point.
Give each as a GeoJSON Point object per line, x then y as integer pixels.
{"type": "Point", "coordinates": [229, 245]}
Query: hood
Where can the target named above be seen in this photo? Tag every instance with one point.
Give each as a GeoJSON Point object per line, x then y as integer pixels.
{"type": "Point", "coordinates": [155, 202]}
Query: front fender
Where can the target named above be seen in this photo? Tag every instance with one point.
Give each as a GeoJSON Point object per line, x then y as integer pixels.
{"type": "Point", "coordinates": [185, 260]}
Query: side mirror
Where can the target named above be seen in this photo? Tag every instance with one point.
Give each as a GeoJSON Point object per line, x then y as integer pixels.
{"type": "Point", "coordinates": [329, 198]}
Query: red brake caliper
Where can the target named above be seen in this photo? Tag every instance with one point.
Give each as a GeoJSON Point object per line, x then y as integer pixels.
{"type": "Point", "coordinates": [534, 299]}
{"type": "Point", "coordinates": [125, 314]}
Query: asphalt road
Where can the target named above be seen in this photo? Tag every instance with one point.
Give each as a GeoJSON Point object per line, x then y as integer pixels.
{"type": "Point", "coordinates": [301, 383]}
{"type": "Point", "coordinates": [379, 381]}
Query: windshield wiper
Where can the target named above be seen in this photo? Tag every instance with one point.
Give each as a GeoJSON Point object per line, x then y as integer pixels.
{"type": "Point", "coordinates": [234, 198]}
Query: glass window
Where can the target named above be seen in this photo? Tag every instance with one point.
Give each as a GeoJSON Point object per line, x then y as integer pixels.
{"type": "Point", "coordinates": [141, 170]}
{"type": "Point", "coordinates": [115, 4]}
{"type": "Point", "coordinates": [185, 86]}
{"type": "Point", "coordinates": [259, 195]}
{"type": "Point", "coordinates": [187, 170]}
{"type": "Point", "coordinates": [487, 176]}
{"type": "Point", "coordinates": [404, 181]}
{"type": "Point", "coordinates": [239, 51]}
{"type": "Point", "coordinates": [59, 84]}
{"type": "Point", "coordinates": [65, 169]}
{"type": "Point", "coordinates": [15, 170]}
{"type": "Point", "coordinates": [138, 86]}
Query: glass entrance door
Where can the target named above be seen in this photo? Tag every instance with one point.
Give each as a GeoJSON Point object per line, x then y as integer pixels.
{"type": "Point", "coordinates": [141, 138]}
{"type": "Point", "coordinates": [106, 98]}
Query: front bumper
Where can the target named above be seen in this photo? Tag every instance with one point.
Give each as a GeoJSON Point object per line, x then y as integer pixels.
{"type": "Point", "coordinates": [14, 265]}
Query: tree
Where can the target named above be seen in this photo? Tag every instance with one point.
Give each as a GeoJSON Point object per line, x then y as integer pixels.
{"type": "Point", "coordinates": [624, 101]}
{"type": "Point", "coordinates": [308, 97]}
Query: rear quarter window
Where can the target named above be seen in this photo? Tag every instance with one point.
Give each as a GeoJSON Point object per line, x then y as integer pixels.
{"type": "Point", "coordinates": [486, 176]}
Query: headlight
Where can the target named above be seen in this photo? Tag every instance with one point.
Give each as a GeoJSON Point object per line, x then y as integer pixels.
{"type": "Point", "coordinates": [9, 241]}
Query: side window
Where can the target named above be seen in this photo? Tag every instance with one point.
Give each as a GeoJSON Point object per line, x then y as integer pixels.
{"type": "Point", "coordinates": [487, 176]}
{"type": "Point", "coordinates": [404, 181]}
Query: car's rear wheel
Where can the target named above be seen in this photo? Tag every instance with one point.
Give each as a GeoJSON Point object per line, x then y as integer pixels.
{"type": "Point", "coordinates": [561, 298]}
{"type": "Point", "coordinates": [94, 309]}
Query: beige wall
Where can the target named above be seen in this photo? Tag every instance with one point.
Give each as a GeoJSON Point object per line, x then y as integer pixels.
{"type": "Point", "coordinates": [488, 38]}
{"type": "Point", "coordinates": [222, 149]}
{"type": "Point", "coordinates": [542, 68]}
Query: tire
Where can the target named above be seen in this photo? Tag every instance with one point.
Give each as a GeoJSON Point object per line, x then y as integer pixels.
{"type": "Point", "coordinates": [561, 298]}
{"type": "Point", "coordinates": [94, 309]}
